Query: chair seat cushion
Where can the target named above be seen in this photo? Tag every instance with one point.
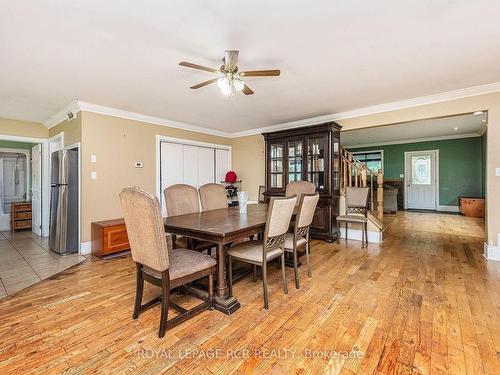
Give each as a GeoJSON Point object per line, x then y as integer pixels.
{"type": "Point", "coordinates": [289, 241]}
{"type": "Point", "coordinates": [184, 262]}
{"type": "Point", "coordinates": [252, 251]}
{"type": "Point", "coordinates": [352, 218]}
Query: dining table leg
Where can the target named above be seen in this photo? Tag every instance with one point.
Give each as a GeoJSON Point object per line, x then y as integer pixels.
{"type": "Point", "coordinates": [223, 301]}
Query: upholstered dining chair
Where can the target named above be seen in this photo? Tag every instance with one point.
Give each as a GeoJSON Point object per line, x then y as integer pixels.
{"type": "Point", "coordinates": [356, 206]}
{"type": "Point", "coordinates": [300, 237]}
{"type": "Point", "coordinates": [298, 188]}
{"type": "Point", "coordinates": [259, 253]}
{"type": "Point", "coordinates": [182, 199]}
{"type": "Point", "coordinates": [154, 262]}
{"type": "Point", "coordinates": [213, 197]}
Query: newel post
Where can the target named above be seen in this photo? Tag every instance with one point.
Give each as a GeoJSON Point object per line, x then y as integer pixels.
{"type": "Point", "coordinates": [380, 194]}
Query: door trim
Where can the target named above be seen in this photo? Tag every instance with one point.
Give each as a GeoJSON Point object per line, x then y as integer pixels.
{"type": "Point", "coordinates": [45, 175]}
{"type": "Point", "coordinates": [436, 176]}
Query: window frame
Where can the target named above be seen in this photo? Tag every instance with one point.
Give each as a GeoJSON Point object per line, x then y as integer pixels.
{"type": "Point", "coordinates": [371, 152]}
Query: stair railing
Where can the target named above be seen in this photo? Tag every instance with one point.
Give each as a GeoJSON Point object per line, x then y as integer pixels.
{"type": "Point", "coordinates": [356, 174]}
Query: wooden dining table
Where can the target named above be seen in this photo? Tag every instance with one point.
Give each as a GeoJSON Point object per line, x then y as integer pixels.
{"type": "Point", "coordinates": [222, 227]}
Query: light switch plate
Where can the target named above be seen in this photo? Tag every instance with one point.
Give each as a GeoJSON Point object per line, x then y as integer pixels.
{"type": "Point", "coordinates": [93, 158]}
{"type": "Point", "coordinates": [401, 175]}
{"type": "Point", "coordinates": [93, 175]}
{"type": "Point", "coordinates": [497, 171]}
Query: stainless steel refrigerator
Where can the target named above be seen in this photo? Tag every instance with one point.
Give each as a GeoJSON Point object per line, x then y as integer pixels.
{"type": "Point", "coordinates": [64, 213]}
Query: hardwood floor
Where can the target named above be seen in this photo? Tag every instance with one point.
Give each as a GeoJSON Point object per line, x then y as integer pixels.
{"type": "Point", "coordinates": [424, 302]}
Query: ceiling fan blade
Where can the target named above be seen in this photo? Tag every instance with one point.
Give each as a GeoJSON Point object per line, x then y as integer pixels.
{"type": "Point", "coordinates": [199, 67]}
{"type": "Point", "coordinates": [199, 85]}
{"type": "Point", "coordinates": [230, 60]}
{"type": "Point", "coordinates": [261, 73]}
{"type": "Point", "coordinates": [247, 90]}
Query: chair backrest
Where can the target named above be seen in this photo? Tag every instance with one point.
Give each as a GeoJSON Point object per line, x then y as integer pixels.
{"type": "Point", "coordinates": [262, 198]}
{"type": "Point", "coordinates": [145, 230]}
{"type": "Point", "coordinates": [278, 219]}
{"type": "Point", "coordinates": [305, 214]}
{"type": "Point", "coordinates": [213, 197]}
{"type": "Point", "coordinates": [298, 188]}
{"type": "Point", "coordinates": [181, 199]}
{"type": "Point", "coordinates": [356, 198]}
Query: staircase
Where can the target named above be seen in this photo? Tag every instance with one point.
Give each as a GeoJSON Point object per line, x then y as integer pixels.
{"type": "Point", "coordinates": [355, 173]}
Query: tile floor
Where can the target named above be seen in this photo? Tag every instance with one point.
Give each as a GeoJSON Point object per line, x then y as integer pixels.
{"type": "Point", "coordinates": [25, 259]}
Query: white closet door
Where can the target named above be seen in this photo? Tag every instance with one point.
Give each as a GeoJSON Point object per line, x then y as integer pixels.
{"type": "Point", "coordinates": [171, 168]}
{"type": "Point", "coordinates": [222, 165]}
{"type": "Point", "coordinates": [190, 167]}
{"type": "Point", "coordinates": [206, 165]}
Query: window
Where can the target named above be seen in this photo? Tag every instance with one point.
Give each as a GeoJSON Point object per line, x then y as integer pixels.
{"type": "Point", "coordinates": [421, 170]}
{"type": "Point", "coordinates": [374, 160]}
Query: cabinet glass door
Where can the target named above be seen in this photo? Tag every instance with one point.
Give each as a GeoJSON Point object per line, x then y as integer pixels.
{"type": "Point", "coordinates": [316, 161]}
{"type": "Point", "coordinates": [294, 157]}
{"type": "Point", "coordinates": [336, 164]}
{"type": "Point", "coordinates": [276, 165]}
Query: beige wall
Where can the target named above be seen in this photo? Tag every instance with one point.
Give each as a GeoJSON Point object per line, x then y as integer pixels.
{"type": "Point", "coordinates": [72, 130]}
{"type": "Point", "coordinates": [23, 128]}
{"type": "Point", "coordinates": [248, 160]}
{"type": "Point", "coordinates": [117, 144]}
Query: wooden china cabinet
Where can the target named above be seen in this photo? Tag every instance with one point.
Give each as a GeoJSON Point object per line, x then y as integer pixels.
{"type": "Point", "coordinates": [308, 153]}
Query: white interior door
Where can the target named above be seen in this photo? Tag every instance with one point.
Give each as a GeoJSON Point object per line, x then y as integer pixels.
{"type": "Point", "coordinates": [206, 166]}
{"type": "Point", "coordinates": [171, 172]}
{"type": "Point", "coordinates": [36, 189]}
{"type": "Point", "coordinates": [190, 167]}
{"type": "Point", "coordinates": [421, 180]}
{"type": "Point", "coordinates": [222, 164]}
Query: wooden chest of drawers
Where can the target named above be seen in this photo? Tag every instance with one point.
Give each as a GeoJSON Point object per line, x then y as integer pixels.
{"type": "Point", "coordinates": [20, 215]}
{"type": "Point", "coordinates": [109, 237]}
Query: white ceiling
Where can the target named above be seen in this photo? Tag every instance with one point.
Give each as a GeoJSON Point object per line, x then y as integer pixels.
{"type": "Point", "coordinates": [334, 55]}
{"type": "Point", "coordinates": [439, 128]}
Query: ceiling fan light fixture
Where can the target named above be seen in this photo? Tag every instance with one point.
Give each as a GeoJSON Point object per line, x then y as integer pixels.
{"type": "Point", "coordinates": [231, 80]}
{"type": "Point", "coordinates": [224, 83]}
{"type": "Point", "coordinates": [227, 91]}
{"type": "Point", "coordinates": [238, 84]}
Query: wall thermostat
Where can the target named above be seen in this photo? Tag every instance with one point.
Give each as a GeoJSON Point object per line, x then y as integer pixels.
{"type": "Point", "coordinates": [138, 164]}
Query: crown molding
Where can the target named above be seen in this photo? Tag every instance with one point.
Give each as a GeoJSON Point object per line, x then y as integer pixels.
{"type": "Point", "coordinates": [96, 108]}
{"type": "Point", "coordinates": [77, 106]}
{"type": "Point", "coordinates": [415, 140]}
{"type": "Point", "coordinates": [380, 108]}
{"type": "Point", "coordinates": [62, 114]}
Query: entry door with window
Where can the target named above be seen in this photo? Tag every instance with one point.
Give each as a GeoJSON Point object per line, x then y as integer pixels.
{"type": "Point", "coordinates": [36, 189]}
{"type": "Point", "coordinates": [421, 180]}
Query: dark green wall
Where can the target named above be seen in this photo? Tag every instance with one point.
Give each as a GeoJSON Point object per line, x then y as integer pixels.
{"type": "Point", "coordinates": [461, 166]}
{"type": "Point", "coordinates": [13, 144]}
{"type": "Point", "coordinates": [483, 152]}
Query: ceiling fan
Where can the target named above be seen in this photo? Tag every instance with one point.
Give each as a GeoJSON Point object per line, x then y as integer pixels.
{"type": "Point", "coordinates": [231, 80]}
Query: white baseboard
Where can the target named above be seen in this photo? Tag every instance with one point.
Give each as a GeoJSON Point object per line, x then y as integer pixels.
{"type": "Point", "coordinates": [448, 208]}
{"type": "Point", "coordinates": [491, 252]}
{"type": "Point", "coordinates": [355, 234]}
{"type": "Point", "coordinates": [85, 247]}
